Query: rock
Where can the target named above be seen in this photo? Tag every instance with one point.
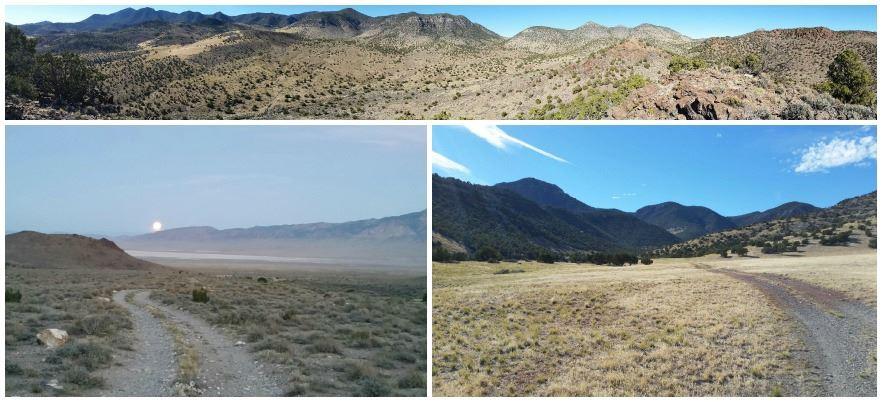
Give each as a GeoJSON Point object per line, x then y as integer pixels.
{"type": "Point", "coordinates": [53, 338]}
{"type": "Point", "coordinates": [53, 383]}
{"type": "Point", "coordinates": [239, 343]}
{"type": "Point", "coordinates": [104, 299]}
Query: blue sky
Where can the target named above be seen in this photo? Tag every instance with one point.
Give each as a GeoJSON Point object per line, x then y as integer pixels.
{"type": "Point", "coordinates": [115, 180]}
{"type": "Point", "coordinates": [730, 169]}
{"type": "Point", "coordinates": [694, 21]}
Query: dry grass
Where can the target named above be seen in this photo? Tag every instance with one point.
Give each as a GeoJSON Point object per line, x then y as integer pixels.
{"type": "Point", "coordinates": [851, 270]}
{"type": "Point", "coordinates": [567, 330]}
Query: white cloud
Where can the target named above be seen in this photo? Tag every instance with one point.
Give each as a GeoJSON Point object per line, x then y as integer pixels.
{"type": "Point", "coordinates": [500, 139]}
{"type": "Point", "coordinates": [443, 162]}
{"type": "Point", "coordinates": [836, 152]}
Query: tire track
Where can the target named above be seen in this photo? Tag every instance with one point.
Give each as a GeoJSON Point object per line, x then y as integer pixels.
{"type": "Point", "coordinates": [840, 333]}
{"type": "Point", "coordinates": [152, 370]}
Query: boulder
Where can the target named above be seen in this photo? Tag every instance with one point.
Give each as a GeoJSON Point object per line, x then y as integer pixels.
{"type": "Point", "coordinates": [103, 299]}
{"type": "Point", "coordinates": [53, 338]}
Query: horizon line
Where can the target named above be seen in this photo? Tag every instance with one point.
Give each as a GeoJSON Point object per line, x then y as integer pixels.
{"type": "Point", "coordinates": [353, 7]}
{"type": "Point", "coordinates": [657, 203]}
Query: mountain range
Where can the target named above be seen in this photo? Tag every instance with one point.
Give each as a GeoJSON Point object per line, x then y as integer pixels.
{"type": "Point", "coordinates": [523, 217]}
{"type": "Point", "coordinates": [347, 65]}
{"type": "Point", "coordinates": [396, 240]}
{"type": "Point", "coordinates": [345, 23]}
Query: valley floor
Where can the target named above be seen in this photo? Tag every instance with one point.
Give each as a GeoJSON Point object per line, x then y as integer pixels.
{"type": "Point", "coordinates": [799, 324]}
{"type": "Point", "coordinates": [267, 330]}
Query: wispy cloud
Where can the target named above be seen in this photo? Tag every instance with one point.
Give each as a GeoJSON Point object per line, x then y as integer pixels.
{"type": "Point", "coordinates": [623, 195]}
{"type": "Point", "coordinates": [500, 139]}
{"type": "Point", "coordinates": [824, 155]}
{"type": "Point", "coordinates": [445, 163]}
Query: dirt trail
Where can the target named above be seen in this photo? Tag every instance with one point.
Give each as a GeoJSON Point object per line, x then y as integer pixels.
{"type": "Point", "coordinates": [224, 369]}
{"type": "Point", "coordinates": [839, 333]}
{"type": "Point", "coordinates": [150, 370]}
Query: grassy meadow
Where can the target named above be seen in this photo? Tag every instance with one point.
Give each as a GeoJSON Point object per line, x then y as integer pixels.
{"type": "Point", "coordinates": [673, 328]}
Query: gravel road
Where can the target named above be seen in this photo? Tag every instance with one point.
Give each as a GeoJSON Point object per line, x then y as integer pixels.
{"type": "Point", "coordinates": [151, 369]}
{"type": "Point", "coordinates": [840, 333]}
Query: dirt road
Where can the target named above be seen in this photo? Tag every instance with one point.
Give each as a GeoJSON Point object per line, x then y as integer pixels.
{"type": "Point", "coordinates": [839, 333]}
{"type": "Point", "coordinates": [224, 368]}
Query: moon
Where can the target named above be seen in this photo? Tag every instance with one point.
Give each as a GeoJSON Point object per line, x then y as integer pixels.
{"type": "Point", "coordinates": [157, 226]}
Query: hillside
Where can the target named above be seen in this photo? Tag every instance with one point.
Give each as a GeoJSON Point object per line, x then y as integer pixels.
{"type": "Point", "coordinates": [622, 227]}
{"type": "Point", "coordinates": [347, 65]}
{"type": "Point", "coordinates": [546, 40]}
{"type": "Point", "coordinates": [786, 210]}
{"type": "Point", "coordinates": [791, 54]}
{"type": "Point", "coordinates": [473, 216]}
{"type": "Point", "coordinates": [685, 222]}
{"type": "Point", "coordinates": [38, 250]}
{"type": "Point", "coordinates": [854, 218]}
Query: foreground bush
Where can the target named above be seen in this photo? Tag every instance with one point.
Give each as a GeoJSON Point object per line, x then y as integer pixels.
{"type": "Point", "coordinates": [200, 295]}
{"type": "Point", "coordinates": [13, 295]}
{"type": "Point", "coordinates": [850, 79]}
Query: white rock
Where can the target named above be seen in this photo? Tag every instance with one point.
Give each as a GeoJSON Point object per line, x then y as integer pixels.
{"type": "Point", "coordinates": [104, 299]}
{"type": "Point", "coordinates": [239, 343]}
{"type": "Point", "coordinates": [54, 384]}
{"type": "Point", "coordinates": [53, 338]}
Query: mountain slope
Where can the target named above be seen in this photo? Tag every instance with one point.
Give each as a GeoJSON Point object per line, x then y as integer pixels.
{"type": "Point", "coordinates": [504, 218]}
{"type": "Point", "coordinates": [799, 54]}
{"type": "Point", "coordinates": [856, 214]}
{"type": "Point", "coordinates": [39, 250]}
{"type": "Point", "coordinates": [593, 36]}
{"type": "Point", "coordinates": [619, 226]}
{"type": "Point", "coordinates": [786, 210]}
{"type": "Point", "coordinates": [685, 222]}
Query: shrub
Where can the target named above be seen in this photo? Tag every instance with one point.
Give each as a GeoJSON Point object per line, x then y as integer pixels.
{"type": "Point", "coordinates": [680, 63]}
{"type": "Point", "coordinates": [872, 243]}
{"type": "Point", "coordinates": [200, 295]}
{"type": "Point", "coordinates": [13, 368]}
{"type": "Point", "coordinates": [740, 250]}
{"type": "Point", "coordinates": [262, 280]}
{"type": "Point", "coordinates": [645, 260]}
{"type": "Point", "coordinates": [508, 271]}
{"type": "Point", "coordinates": [90, 355]}
{"type": "Point", "coordinates": [850, 80]}
{"type": "Point", "coordinates": [724, 253]}
{"type": "Point", "coordinates": [489, 254]}
{"type": "Point", "coordinates": [100, 324]}
{"type": "Point", "coordinates": [374, 387]}
{"type": "Point", "coordinates": [753, 63]}
{"type": "Point", "coordinates": [546, 258]}
{"type": "Point", "coordinates": [13, 295]}
{"type": "Point", "coordinates": [20, 62]}
{"type": "Point", "coordinates": [82, 378]}
{"type": "Point", "coordinates": [325, 345]}
{"type": "Point", "coordinates": [67, 79]}
{"type": "Point", "coordinates": [797, 111]}
{"type": "Point", "coordinates": [414, 379]}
